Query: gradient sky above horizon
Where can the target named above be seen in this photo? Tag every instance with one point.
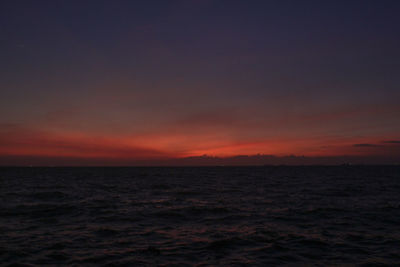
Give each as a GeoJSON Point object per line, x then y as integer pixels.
{"type": "Point", "coordinates": [166, 79]}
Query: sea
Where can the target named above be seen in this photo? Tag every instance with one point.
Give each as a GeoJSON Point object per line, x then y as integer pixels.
{"type": "Point", "coordinates": [200, 216]}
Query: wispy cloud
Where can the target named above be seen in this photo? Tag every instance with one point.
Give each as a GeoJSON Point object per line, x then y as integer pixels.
{"type": "Point", "coordinates": [16, 140]}
{"type": "Point", "coordinates": [366, 145]}
{"type": "Point", "coordinates": [391, 142]}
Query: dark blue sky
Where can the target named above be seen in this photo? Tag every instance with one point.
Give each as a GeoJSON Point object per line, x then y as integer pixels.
{"type": "Point", "coordinates": [191, 77]}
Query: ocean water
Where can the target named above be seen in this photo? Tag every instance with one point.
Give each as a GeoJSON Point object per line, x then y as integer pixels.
{"type": "Point", "coordinates": [184, 216]}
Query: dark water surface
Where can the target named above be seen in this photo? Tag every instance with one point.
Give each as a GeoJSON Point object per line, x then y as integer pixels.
{"type": "Point", "coordinates": [230, 216]}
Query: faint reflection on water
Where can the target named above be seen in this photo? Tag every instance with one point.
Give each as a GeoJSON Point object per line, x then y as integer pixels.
{"type": "Point", "coordinates": [200, 216]}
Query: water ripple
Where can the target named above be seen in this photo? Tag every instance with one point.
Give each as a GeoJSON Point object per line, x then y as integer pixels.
{"type": "Point", "coordinates": [234, 216]}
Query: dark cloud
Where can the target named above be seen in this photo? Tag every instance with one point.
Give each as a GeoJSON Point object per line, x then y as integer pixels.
{"type": "Point", "coordinates": [365, 145]}
{"type": "Point", "coordinates": [391, 142]}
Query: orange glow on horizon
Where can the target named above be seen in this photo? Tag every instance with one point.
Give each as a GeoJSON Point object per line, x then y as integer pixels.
{"type": "Point", "coordinates": [157, 146]}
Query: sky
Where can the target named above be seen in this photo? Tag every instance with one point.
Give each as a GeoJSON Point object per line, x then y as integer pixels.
{"type": "Point", "coordinates": [120, 81]}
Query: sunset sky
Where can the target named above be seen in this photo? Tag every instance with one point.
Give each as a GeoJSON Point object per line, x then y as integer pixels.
{"type": "Point", "coordinates": [149, 80]}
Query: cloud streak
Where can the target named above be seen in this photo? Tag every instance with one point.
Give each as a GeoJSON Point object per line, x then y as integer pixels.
{"type": "Point", "coordinates": [21, 141]}
{"type": "Point", "coordinates": [391, 142]}
{"type": "Point", "coordinates": [366, 145]}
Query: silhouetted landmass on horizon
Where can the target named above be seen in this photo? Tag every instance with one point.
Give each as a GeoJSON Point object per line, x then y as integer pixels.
{"type": "Point", "coordinates": [205, 160]}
